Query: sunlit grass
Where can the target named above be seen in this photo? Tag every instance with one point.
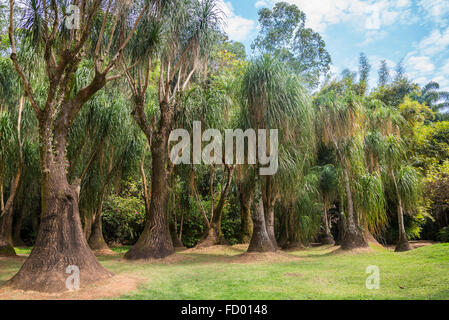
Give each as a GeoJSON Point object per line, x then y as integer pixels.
{"type": "Point", "coordinates": [319, 273]}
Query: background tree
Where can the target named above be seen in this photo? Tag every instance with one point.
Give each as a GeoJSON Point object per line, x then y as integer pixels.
{"type": "Point", "coordinates": [384, 74]}
{"type": "Point", "coordinates": [283, 34]}
{"type": "Point", "coordinates": [433, 97]}
{"type": "Point", "coordinates": [364, 72]}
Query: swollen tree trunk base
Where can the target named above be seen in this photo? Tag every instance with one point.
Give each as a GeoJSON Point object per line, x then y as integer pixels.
{"type": "Point", "coordinates": [211, 238]}
{"type": "Point", "coordinates": [138, 252]}
{"type": "Point", "coordinates": [177, 243]}
{"type": "Point", "coordinates": [353, 240]}
{"type": "Point", "coordinates": [403, 245]}
{"type": "Point", "coordinates": [246, 238]}
{"type": "Point", "coordinates": [6, 250]}
{"type": "Point", "coordinates": [96, 240]}
{"type": "Point", "coordinates": [327, 239]}
{"type": "Point", "coordinates": [260, 242]}
{"type": "Point", "coordinates": [98, 244]}
{"type": "Point", "coordinates": [61, 252]}
{"type": "Point", "coordinates": [291, 245]}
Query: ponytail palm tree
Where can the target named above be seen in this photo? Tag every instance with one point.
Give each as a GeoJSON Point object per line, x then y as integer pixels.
{"type": "Point", "coordinates": [187, 29]}
{"type": "Point", "coordinates": [340, 116]}
{"type": "Point", "coordinates": [98, 44]}
{"type": "Point", "coordinates": [405, 185]}
{"type": "Point", "coordinates": [274, 98]}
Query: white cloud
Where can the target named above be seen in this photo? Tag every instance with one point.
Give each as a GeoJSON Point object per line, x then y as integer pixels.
{"type": "Point", "coordinates": [421, 64]}
{"type": "Point", "coordinates": [438, 10]}
{"type": "Point", "coordinates": [403, 3]}
{"type": "Point", "coordinates": [261, 3]}
{"type": "Point", "coordinates": [237, 27]}
{"type": "Point", "coordinates": [363, 14]}
{"type": "Point", "coordinates": [437, 41]}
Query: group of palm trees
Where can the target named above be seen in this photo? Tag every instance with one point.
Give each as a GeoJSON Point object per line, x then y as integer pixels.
{"type": "Point", "coordinates": [82, 109]}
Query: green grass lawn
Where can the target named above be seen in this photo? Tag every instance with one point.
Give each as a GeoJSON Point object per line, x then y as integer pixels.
{"type": "Point", "coordinates": [318, 274]}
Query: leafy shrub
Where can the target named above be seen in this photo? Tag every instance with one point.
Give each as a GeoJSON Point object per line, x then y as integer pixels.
{"type": "Point", "coordinates": [443, 235]}
{"type": "Point", "coordinates": [123, 219]}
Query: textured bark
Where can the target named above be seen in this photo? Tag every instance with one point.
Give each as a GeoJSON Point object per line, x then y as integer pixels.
{"type": "Point", "coordinates": [269, 201]}
{"type": "Point", "coordinates": [246, 194]}
{"type": "Point", "coordinates": [60, 241]}
{"type": "Point", "coordinates": [353, 238]}
{"type": "Point", "coordinates": [260, 242]}
{"type": "Point", "coordinates": [155, 241]}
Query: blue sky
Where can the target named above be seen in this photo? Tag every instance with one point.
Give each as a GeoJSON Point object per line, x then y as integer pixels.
{"type": "Point", "coordinates": [414, 30]}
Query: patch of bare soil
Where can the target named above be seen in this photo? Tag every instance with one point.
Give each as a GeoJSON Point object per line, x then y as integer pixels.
{"type": "Point", "coordinates": [339, 250]}
{"type": "Point", "coordinates": [218, 249]}
{"type": "Point", "coordinates": [109, 288]}
{"type": "Point", "coordinates": [105, 252]}
{"type": "Point", "coordinates": [18, 258]}
{"type": "Point", "coordinates": [415, 244]}
{"type": "Point", "coordinates": [267, 257]}
{"type": "Point", "coordinates": [174, 258]}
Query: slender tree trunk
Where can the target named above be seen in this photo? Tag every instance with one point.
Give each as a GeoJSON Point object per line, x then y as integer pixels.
{"type": "Point", "coordinates": [353, 237]}
{"type": "Point", "coordinates": [284, 226]}
{"type": "Point", "coordinates": [2, 199]}
{"type": "Point", "coordinates": [403, 244]}
{"type": "Point", "coordinates": [327, 237]}
{"type": "Point", "coordinates": [60, 241]}
{"type": "Point", "coordinates": [87, 216]}
{"type": "Point", "coordinates": [294, 232]}
{"type": "Point", "coordinates": [6, 215]}
{"type": "Point", "coordinates": [268, 203]}
{"type": "Point", "coordinates": [246, 194]}
{"type": "Point", "coordinates": [177, 243]}
{"type": "Point", "coordinates": [213, 235]}
{"type": "Point", "coordinates": [155, 240]}
{"type": "Point", "coordinates": [17, 240]}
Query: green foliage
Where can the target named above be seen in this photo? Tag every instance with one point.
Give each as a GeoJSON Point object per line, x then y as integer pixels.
{"type": "Point", "coordinates": [384, 74]}
{"type": "Point", "coordinates": [283, 34]}
{"type": "Point", "coordinates": [432, 96]}
{"type": "Point", "coordinates": [443, 234]}
{"type": "Point", "coordinates": [123, 219]}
